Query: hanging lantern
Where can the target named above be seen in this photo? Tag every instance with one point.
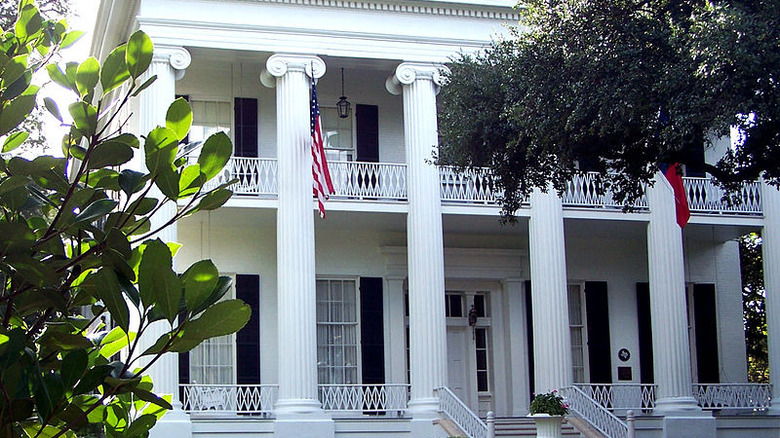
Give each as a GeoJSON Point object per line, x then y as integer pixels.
{"type": "Point", "coordinates": [343, 105]}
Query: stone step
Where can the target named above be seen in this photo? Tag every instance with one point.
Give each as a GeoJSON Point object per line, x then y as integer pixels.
{"type": "Point", "coordinates": [509, 427]}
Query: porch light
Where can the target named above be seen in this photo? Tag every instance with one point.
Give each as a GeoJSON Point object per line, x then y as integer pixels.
{"type": "Point", "coordinates": [343, 105]}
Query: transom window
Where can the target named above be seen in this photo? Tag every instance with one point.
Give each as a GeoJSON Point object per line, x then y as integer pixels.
{"type": "Point", "coordinates": [337, 332]}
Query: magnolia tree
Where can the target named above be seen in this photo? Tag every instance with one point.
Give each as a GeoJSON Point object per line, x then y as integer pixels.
{"type": "Point", "coordinates": [76, 247]}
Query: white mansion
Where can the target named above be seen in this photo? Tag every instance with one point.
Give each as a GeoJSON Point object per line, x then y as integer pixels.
{"type": "Point", "coordinates": [410, 311]}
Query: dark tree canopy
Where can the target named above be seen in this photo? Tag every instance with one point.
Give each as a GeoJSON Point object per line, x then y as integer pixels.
{"type": "Point", "coordinates": [753, 307]}
{"type": "Point", "coordinates": [618, 87]}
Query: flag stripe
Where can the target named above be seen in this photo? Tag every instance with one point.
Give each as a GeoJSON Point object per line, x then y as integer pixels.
{"type": "Point", "coordinates": [673, 174]}
{"type": "Point", "coordinates": [322, 183]}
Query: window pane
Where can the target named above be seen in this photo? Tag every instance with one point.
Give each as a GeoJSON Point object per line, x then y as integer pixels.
{"type": "Point", "coordinates": [482, 381]}
{"type": "Point", "coordinates": [479, 305]}
{"type": "Point", "coordinates": [337, 331]}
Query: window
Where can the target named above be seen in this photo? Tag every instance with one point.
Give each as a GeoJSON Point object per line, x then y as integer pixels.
{"type": "Point", "coordinates": [338, 135]}
{"type": "Point", "coordinates": [213, 361]}
{"type": "Point", "coordinates": [209, 117]}
{"type": "Point", "coordinates": [337, 332]}
{"type": "Point", "coordinates": [481, 343]}
{"type": "Point", "coordinates": [577, 330]}
{"type": "Point", "coordinates": [480, 305]}
{"type": "Point", "coordinates": [454, 305]}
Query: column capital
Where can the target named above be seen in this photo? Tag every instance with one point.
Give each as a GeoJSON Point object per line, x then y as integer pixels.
{"type": "Point", "coordinates": [280, 64]}
{"type": "Point", "coordinates": [408, 72]}
{"type": "Point", "coordinates": [178, 57]}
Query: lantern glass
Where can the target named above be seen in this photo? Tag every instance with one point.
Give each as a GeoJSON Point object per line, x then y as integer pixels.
{"type": "Point", "coordinates": [343, 107]}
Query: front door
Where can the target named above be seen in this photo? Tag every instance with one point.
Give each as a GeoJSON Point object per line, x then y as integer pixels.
{"type": "Point", "coordinates": [458, 363]}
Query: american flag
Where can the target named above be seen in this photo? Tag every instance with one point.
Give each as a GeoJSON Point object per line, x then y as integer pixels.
{"type": "Point", "coordinates": [323, 186]}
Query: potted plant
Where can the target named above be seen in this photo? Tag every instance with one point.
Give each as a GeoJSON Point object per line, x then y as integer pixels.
{"type": "Point", "coordinates": [548, 410]}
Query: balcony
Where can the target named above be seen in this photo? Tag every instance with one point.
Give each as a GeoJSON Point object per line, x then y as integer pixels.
{"type": "Point", "coordinates": [386, 183]}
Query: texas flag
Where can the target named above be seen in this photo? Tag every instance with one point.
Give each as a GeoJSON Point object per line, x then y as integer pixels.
{"type": "Point", "coordinates": [673, 174]}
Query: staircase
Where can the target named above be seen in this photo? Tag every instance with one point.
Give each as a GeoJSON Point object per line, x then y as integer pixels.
{"type": "Point", "coordinates": [516, 427]}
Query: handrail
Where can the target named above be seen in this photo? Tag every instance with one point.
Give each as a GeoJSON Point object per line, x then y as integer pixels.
{"type": "Point", "coordinates": [637, 396]}
{"type": "Point", "coordinates": [390, 397]}
{"type": "Point", "coordinates": [721, 396]}
{"type": "Point", "coordinates": [465, 418]}
{"type": "Point", "coordinates": [229, 399]}
{"type": "Point", "coordinates": [596, 415]}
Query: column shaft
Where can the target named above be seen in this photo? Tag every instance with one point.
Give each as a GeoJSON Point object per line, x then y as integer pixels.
{"type": "Point", "coordinates": [671, 354]}
{"type": "Point", "coordinates": [771, 254]}
{"type": "Point", "coordinates": [552, 341]}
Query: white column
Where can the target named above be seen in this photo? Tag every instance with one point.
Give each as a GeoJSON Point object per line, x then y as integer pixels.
{"type": "Point", "coordinates": [427, 324]}
{"type": "Point", "coordinates": [516, 344]}
{"type": "Point", "coordinates": [552, 341]}
{"type": "Point", "coordinates": [671, 354]}
{"type": "Point", "coordinates": [295, 235]}
{"type": "Point", "coordinates": [771, 254]}
{"type": "Point", "coordinates": [168, 63]}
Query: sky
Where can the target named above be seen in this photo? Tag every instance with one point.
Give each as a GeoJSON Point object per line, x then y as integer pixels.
{"type": "Point", "coordinates": [83, 18]}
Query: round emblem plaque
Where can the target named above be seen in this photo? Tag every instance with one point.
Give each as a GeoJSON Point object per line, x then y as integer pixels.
{"type": "Point", "coordinates": [624, 354]}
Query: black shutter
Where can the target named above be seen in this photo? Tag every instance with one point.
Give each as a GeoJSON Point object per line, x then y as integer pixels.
{"type": "Point", "coordinates": [367, 129]}
{"type": "Point", "coordinates": [245, 116]}
{"type": "Point", "coordinates": [529, 330]}
{"type": "Point", "coordinates": [248, 338]}
{"type": "Point", "coordinates": [644, 325]}
{"type": "Point", "coordinates": [597, 310]}
{"type": "Point", "coordinates": [372, 331]}
{"type": "Point", "coordinates": [706, 325]}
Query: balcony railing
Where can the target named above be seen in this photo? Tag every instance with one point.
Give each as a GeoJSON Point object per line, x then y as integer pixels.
{"type": "Point", "coordinates": [752, 396]}
{"type": "Point", "coordinates": [260, 399]}
{"type": "Point", "coordinates": [390, 398]}
{"type": "Point", "coordinates": [381, 182]}
{"type": "Point", "coordinates": [706, 197]}
{"type": "Point", "coordinates": [634, 396]}
{"type": "Point", "coordinates": [229, 399]}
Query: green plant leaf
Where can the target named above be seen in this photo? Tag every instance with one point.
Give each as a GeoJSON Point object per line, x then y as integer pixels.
{"type": "Point", "coordinates": [215, 154]}
{"type": "Point", "coordinates": [179, 118]}
{"type": "Point", "coordinates": [190, 181]}
{"type": "Point", "coordinates": [150, 397]}
{"type": "Point", "coordinates": [54, 110]}
{"type": "Point", "coordinates": [93, 378]}
{"type": "Point", "coordinates": [74, 364]}
{"type": "Point", "coordinates": [114, 72]}
{"type": "Point", "coordinates": [99, 208]}
{"type": "Point", "coordinates": [70, 38]}
{"type": "Point", "coordinates": [59, 77]}
{"type": "Point", "coordinates": [139, 53]}
{"type": "Point", "coordinates": [214, 199]}
{"type": "Point", "coordinates": [199, 282]}
{"type": "Point", "coordinates": [157, 282]}
{"type": "Point", "coordinates": [104, 285]}
{"type": "Point", "coordinates": [84, 117]}
{"type": "Point", "coordinates": [87, 76]}
{"type": "Point", "coordinates": [28, 22]}
{"type": "Point", "coordinates": [130, 181]}
{"type": "Point", "coordinates": [168, 183]}
{"type": "Point", "coordinates": [221, 319]}
{"type": "Point", "coordinates": [147, 83]}
{"type": "Point", "coordinates": [14, 140]}
{"type": "Point", "coordinates": [110, 153]}
{"type": "Point", "coordinates": [15, 111]}
{"type": "Point", "coordinates": [141, 425]}
{"type": "Point", "coordinates": [160, 148]}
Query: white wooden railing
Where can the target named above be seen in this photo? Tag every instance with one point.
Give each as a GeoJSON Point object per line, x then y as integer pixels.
{"type": "Point", "coordinates": [600, 418]}
{"type": "Point", "coordinates": [391, 398]}
{"type": "Point", "coordinates": [387, 182]}
{"type": "Point", "coordinates": [229, 399]}
{"type": "Point", "coordinates": [621, 396]}
{"type": "Point", "coordinates": [359, 180]}
{"type": "Point", "coordinates": [470, 186]}
{"type": "Point", "coordinates": [460, 414]}
{"type": "Point", "coordinates": [704, 196]}
{"type": "Point", "coordinates": [754, 396]}
{"type": "Point", "coordinates": [583, 192]}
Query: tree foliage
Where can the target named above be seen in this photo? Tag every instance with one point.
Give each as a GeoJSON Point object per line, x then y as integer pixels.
{"type": "Point", "coordinates": [81, 277]}
{"type": "Point", "coordinates": [618, 87]}
{"type": "Point", "coordinates": [753, 307]}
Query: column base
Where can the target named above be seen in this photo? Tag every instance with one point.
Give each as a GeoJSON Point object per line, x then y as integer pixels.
{"type": "Point", "coordinates": [298, 407]}
{"type": "Point", "coordinates": [774, 408]}
{"type": "Point", "coordinates": [425, 428]}
{"type": "Point", "coordinates": [305, 426]}
{"type": "Point", "coordinates": [689, 427]}
{"type": "Point", "coordinates": [684, 406]}
{"type": "Point", "coordinates": [175, 422]}
{"type": "Point", "coordinates": [424, 408]}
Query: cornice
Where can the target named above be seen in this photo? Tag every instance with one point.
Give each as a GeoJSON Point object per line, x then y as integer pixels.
{"type": "Point", "coordinates": [450, 9]}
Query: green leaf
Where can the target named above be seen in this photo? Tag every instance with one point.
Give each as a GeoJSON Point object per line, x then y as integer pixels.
{"type": "Point", "coordinates": [93, 378]}
{"type": "Point", "coordinates": [54, 110]}
{"type": "Point", "coordinates": [114, 72]}
{"type": "Point", "coordinates": [150, 397]}
{"type": "Point", "coordinates": [14, 140]}
{"type": "Point", "coordinates": [191, 181]}
{"type": "Point", "coordinates": [28, 22]}
{"type": "Point", "coordinates": [84, 117]}
{"type": "Point", "coordinates": [224, 284]}
{"type": "Point", "coordinates": [158, 345]}
{"type": "Point", "coordinates": [15, 111]}
{"type": "Point", "coordinates": [14, 69]}
{"type": "Point", "coordinates": [130, 181]}
{"type": "Point", "coordinates": [139, 53]}
{"type": "Point", "coordinates": [143, 206]}
{"type": "Point", "coordinates": [147, 83]}
{"type": "Point", "coordinates": [99, 208]}
{"type": "Point", "coordinates": [110, 153]}
{"type": "Point", "coordinates": [141, 425]}
{"type": "Point", "coordinates": [87, 76]}
{"type": "Point", "coordinates": [215, 154]}
{"type": "Point", "coordinates": [199, 282]}
{"type": "Point", "coordinates": [68, 341]}
{"type": "Point", "coordinates": [168, 183]}
{"type": "Point", "coordinates": [15, 237]}
{"type": "Point", "coordinates": [160, 148]}
{"type": "Point", "coordinates": [18, 86]}
{"type": "Point", "coordinates": [59, 77]}
{"type": "Point", "coordinates": [105, 286]}
{"type": "Point", "coordinates": [214, 199]}
{"type": "Point", "coordinates": [73, 366]}
{"type": "Point", "coordinates": [221, 319]}
{"type": "Point", "coordinates": [109, 349]}
{"type": "Point", "coordinates": [70, 38]}
{"type": "Point", "coordinates": [179, 118]}
{"type": "Point", "coordinates": [157, 282]}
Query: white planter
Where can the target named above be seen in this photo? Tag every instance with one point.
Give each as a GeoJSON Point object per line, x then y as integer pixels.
{"type": "Point", "coordinates": [547, 426]}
